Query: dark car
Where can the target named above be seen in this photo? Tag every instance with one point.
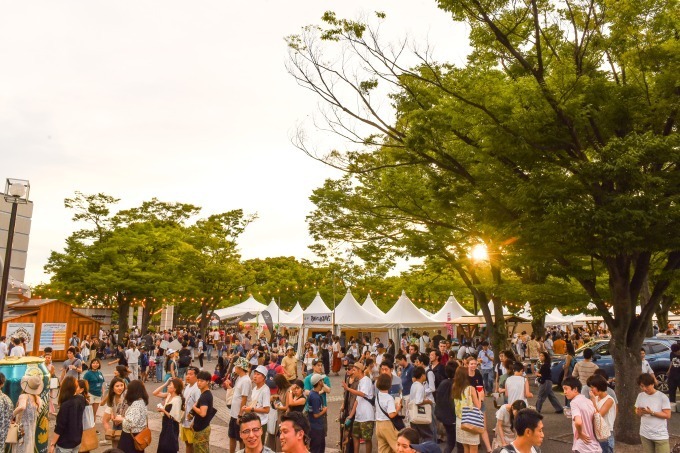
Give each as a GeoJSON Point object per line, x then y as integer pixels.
{"type": "Point", "coordinates": [657, 353]}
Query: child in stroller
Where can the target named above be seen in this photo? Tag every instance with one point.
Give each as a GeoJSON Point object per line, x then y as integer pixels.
{"type": "Point", "coordinates": [220, 374]}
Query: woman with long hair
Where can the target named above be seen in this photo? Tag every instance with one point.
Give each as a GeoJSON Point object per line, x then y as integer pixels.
{"type": "Point", "coordinates": [68, 430]}
{"type": "Point", "coordinates": [464, 395]}
{"type": "Point", "coordinates": [296, 397]}
{"type": "Point", "coordinates": [6, 408]}
{"type": "Point", "coordinates": [545, 390]}
{"type": "Point", "coordinates": [135, 419]}
{"type": "Point", "coordinates": [280, 403]}
{"type": "Point", "coordinates": [95, 380]}
{"type": "Point", "coordinates": [27, 410]}
{"type": "Point", "coordinates": [114, 410]}
{"type": "Point", "coordinates": [505, 423]}
{"type": "Point", "coordinates": [172, 409]}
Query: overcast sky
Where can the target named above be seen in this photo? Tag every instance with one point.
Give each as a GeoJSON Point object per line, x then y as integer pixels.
{"type": "Point", "coordinates": [183, 101]}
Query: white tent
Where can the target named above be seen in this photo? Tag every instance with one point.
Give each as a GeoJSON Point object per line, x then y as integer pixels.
{"type": "Point", "coordinates": [317, 306]}
{"type": "Point", "coordinates": [505, 310]}
{"type": "Point", "coordinates": [278, 316]}
{"type": "Point", "coordinates": [296, 317]}
{"type": "Point", "coordinates": [371, 307]}
{"type": "Point", "coordinates": [450, 311]}
{"type": "Point", "coordinates": [348, 313]}
{"type": "Point", "coordinates": [405, 314]}
{"type": "Point", "coordinates": [250, 305]}
{"type": "Point", "coordinates": [425, 312]}
{"type": "Point", "coordinates": [296, 311]}
{"type": "Point", "coordinates": [556, 318]}
{"type": "Point", "coordinates": [525, 312]}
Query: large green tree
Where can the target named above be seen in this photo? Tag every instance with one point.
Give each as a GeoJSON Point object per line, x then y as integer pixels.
{"type": "Point", "coordinates": [556, 144]}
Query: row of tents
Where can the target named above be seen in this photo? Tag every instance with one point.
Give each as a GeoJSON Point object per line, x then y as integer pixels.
{"type": "Point", "coordinates": [350, 314]}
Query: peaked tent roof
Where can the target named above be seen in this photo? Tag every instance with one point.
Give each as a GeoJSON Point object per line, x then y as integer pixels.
{"type": "Point", "coordinates": [450, 311]}
{"type": "Point", "coordinates": [318, 306]}
{"type": "Point", "coordinates": [296, 317]}
{"type": "Point", "coordinates": [525, 312]}
{"type": "Point", "coordinates": [405, 314]}
{"type": "Point", "coordinates": [425, 312]}
{"type": "Point", "coordinates": [296, 311]}
{"type": "Point", "coordinates": [278, 316]}
{"type": "Point", "coordinates": [249, 305]}
{"type": "Point", "coordinates": [505, 310]}
{"type": "Point", "coordinates": [371, 307]}
{"type": "Point", "coordinates": [349, 313]}
{"type": "Point", "coordinates": [555, 317]}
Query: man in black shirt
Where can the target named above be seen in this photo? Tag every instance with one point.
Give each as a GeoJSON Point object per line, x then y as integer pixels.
{"type": "Point", "coordinates": [203, 413]}
{"type": "Point", "coordinates": [436, 339]}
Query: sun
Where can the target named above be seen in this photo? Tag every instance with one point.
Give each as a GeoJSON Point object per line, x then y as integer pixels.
{"type": "Point", "coordinates": [479, 253]}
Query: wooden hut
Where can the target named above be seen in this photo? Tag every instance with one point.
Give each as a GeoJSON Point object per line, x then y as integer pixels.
{"type": "Point", "coordinates": [47, 322]}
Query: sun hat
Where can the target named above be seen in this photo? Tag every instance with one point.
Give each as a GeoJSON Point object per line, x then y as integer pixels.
{"type": "Point", "coordinates": [243, 363]}
{"type": "Point", "coordinates": [359, 365]}
{"type": "Point", "coordinates": [32, 385]}
{"type": "Point", "coordinates": [261, 369]}
{"type": "Point", "coordinates": [316, 378]}
{"type": "Point", "coordinates": [170, 352]}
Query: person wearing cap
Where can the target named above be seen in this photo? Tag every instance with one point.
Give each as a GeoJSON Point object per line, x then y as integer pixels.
{"type": "Point", "coordinates": [260, 397]}
{"type": "Point", "coordinates": [363, 411]}
{"type": "Point", "coordinates": [316, 414]}
{"type": "Point", "coordinates": [27, 410]}
{"type": "Point", "coordinates": [242, 388]}
{"type": "Point", "coordinates": [289, 364]}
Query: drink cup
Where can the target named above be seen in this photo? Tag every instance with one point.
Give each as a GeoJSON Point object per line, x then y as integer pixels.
{"type": "Point", "coordinates": [479, 388]}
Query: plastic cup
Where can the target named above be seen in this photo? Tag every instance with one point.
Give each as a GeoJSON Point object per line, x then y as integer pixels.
{"type": "Point", "coordinates": [479, 388]}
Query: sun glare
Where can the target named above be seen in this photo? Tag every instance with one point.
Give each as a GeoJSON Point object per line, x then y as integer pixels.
{"type": "Point", "coordinates": [479, 253]}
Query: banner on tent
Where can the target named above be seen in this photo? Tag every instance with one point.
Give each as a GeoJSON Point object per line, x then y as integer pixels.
{"type": "Point", "coordinates": [323, 319]}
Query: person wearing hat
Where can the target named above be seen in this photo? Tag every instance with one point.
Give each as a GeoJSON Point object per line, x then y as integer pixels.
{"type": "Point", "coordinates": [363, 411]}
{"type": "Point", "coordinates": [317, 411]}
{"type": "Point", "coordinates": [27, 410]}
{"type": "Point", "coordinates": [242, 388]}
{"type": "Point", "coordinates": [260, 397]}
{"type": "Point", "coordinates": [170, 364]}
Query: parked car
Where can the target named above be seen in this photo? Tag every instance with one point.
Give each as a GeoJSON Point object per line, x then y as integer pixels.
{"type": "Point", "coordinates": [657, 353]}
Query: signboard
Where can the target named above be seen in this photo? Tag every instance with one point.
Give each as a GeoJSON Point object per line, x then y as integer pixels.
{"type": "Point", "coordinates": [318, 319]}
{"type": "Point", "coordinates": [103, 315]}
{"type": "Point", "coordinates": [53, 334]}
{"type": "Point", "coordinates": [25, 330]}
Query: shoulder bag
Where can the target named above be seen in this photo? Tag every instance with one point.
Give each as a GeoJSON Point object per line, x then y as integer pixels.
{"type": "Point", "coordinates": [472, 419]}
{"type": "Point", "coordinates": [600, 426]}
{"type": "Point", "coordinates": [397, 421]}
{"type": "Point", "coordinates": [142, 439]}
{"type": "Point", "coordinates": [89, 441]}
{"type": "Point", "coordinates": [12, 434]}
{"type": "Point", "coordinates": [420, 415]}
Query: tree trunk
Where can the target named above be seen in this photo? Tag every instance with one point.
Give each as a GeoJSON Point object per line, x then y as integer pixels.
{"type": "Point", "coordinates": [662, 312]}
{"type": "Point", "coordinates": [123, 309]}
{"type": "Point", "coordinates": [146, 318]}
{"type": "Point", "coordinates": [538, 322]}
{"type": "Point", "coordinates": [626, 358]}
{"type": "Point", "coordinates": [203, 322]}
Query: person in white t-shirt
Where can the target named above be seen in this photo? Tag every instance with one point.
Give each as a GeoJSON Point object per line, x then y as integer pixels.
{"type": "Point", "coordinates": [3, 347]}
{"type": "Point", "coordinates": [385, 410]}
{"type": "Point", "coordinates": [259, 397]}
{"type": "Point", "coordinates": [605, 406]}
{"type": "Point", "coordinates": [242, 389]}
{"type": "Point", "coordinates": [132, 355]}
{"type": "Point", "coordinates": [654, 409]}
{"type": "Point", "coordinates": [17, 350]}
{"type": "Point", "coordinates": [517, 385]}
{"type": "Point", "coordinates": [191, 395]}
{"type": "Point", "coordinates": [363, 411]}
{"type": "Point", "coordinates": [529, 428]}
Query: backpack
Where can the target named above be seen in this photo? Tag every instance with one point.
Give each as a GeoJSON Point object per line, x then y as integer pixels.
{"type": "Point", "coordinates": [144, 360]}
{"type": "Point", "coordinates": [271, 372]}
{"type": "Point", "coordinates": [184, 360]}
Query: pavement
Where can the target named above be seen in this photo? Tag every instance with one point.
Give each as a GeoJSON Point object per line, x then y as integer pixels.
{"type": "Point", "coordinates": [558, 435]}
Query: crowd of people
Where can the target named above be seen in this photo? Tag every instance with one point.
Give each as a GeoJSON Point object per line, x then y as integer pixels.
{"type": "Point", "coordinates": [413, 394]}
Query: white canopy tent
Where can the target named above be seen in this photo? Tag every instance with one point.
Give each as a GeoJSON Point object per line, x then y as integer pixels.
{"type": "Point", "coordinates": [296, 317]}
{"type": "Point", "coordinates": [405, 314]}
{"type": "Point", "coordinates": [450, 311]}
{"type": "Point", "coordinates": [296, 311]}
{"type": "Point", "coordinates": [425, 312]}
{"type": "Point", "coordinates": [249, 305]}
{"type": "Point", "coordinates": [505, 310]}
{"type": "Point", "coordinates": [555, 318]}
{"type": "Point", "coordinates": [525, 312]}
{"type": "Point", "coordinates": [371, 307]}
{"type": "Point", "coordinates": [278, 316]}
{"type": "Point", "coordinates": [348, 313]}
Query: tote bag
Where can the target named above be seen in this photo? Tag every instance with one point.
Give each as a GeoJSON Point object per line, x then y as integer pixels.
{"type": "Point", "coordinates": [472, 420]}
{"type": "Point", "coordinates": [420, 415]}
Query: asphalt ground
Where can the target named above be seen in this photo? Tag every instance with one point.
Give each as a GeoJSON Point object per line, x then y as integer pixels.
{"type": "Point", "coordinates": [557, 428]}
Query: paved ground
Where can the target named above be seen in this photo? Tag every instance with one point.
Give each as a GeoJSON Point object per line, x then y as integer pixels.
{"type": "Point", "coordinates": [557, 427]}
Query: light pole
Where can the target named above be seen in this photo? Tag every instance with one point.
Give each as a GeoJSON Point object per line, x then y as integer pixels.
{"type": "Point", "coordinates": [16, 192]}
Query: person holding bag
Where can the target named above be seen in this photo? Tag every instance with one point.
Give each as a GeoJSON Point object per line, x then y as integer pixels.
{"type": "Point", "coordinates": [135, 420]}
{"type": "Point", "coordinates": [68, 430]}
{"type": "Point", "coordinates": [466, 400]}
{"type": "Point", "coordinates": [27, 410]}
{"type": "Point", "coordinates": [6, 408]}
{"type": "Point", "coordinates": [420, 410]}
{"type": "Point", "coordinates": [89, 441]}
{"type": "Point", "coordinates": [171, 409]}
{"type": "Point", "coordinates": [114, 411]}
{"type": "Point", "coordinates": [388, 422]}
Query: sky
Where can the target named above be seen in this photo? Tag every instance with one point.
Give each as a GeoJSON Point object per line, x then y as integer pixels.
{"type": "Point", "coordinates": [182, 101]}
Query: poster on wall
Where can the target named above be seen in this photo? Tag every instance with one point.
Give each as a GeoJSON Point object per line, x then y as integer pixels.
{"type": "Point", "coordinates": [53, 334]}
{"type": "Point", "coordinates": [25, 330]}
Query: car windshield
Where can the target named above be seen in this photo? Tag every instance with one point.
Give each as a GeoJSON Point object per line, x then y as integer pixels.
{"type": "Point", "coordinates": [590, 344]}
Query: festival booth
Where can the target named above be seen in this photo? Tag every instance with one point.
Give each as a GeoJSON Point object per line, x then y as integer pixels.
{"type": "Point", "coordinates": [46, 322]}
{"type": "Point", "coordinates": [451, 310]}
{"type": "Point", "coordinates": [371, 307]}
{"type": "Point", "coordinates": [555, 318]}
{"type": "Point", "coordinates": [316, 319]}
{"type": "Point", "coordinates": [405, 315]}
{"type": "Point", "coordinates": [354, 320]}
{"type": "Point", "coordinates": [250, 305]}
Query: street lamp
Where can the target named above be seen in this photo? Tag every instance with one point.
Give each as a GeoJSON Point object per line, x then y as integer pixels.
{"type": "Point", "coordinates": [16, 192]}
